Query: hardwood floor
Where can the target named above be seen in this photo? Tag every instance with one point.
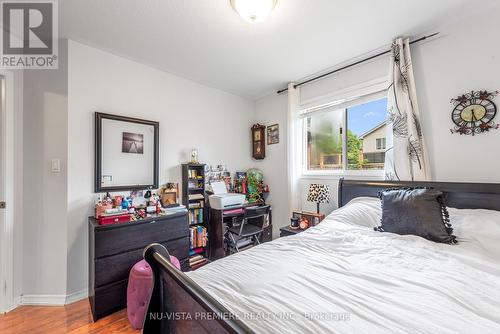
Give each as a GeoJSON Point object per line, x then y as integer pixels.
{"type": "Point", "coordinates": [74, 318]}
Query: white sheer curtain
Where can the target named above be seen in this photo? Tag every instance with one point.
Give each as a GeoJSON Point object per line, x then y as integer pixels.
{"type": "Point", "coordinates": [406, 155]}
{"type": "Point", "coordinates": [293, 148]}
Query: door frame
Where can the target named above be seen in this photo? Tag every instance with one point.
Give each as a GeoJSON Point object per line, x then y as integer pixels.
{"type": "Point", "coordinates": [7, 301]}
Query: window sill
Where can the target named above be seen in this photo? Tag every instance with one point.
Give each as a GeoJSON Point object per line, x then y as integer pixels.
{"type": "Point", "coordinates": [351, 174]}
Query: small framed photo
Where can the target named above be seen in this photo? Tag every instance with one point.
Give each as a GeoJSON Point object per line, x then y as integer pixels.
{"type": "Point", "coordinates": [273, 134]}
{"type": "Point", "coordinates": [132, 143]}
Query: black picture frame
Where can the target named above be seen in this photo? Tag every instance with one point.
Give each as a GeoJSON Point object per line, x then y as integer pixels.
{"type": "Point", "coordinates": [273, 134]}
{"type": "Point", "coordinates": [98, 188]}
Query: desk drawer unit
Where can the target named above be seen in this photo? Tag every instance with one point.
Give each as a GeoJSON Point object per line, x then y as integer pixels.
{"type": "Point", "coordinates": [114, 249]}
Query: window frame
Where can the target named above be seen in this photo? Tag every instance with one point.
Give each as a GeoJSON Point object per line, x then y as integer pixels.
{"type": "Point", "coordinates": [380, 143]}
{"type": "Point", "coordinates": [379, 91]}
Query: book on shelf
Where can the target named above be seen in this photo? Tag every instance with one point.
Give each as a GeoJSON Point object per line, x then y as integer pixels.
{"type": "Point", "coordinates": [194, 263]}
{"type": "Point", "coordinates": [198, 236]}
{"type": "Point", "coordinates": [195, 258]}
{"type": "Point", "coordinates": [193, 197]}
{"type": "Point", "coordinates": [198, 205]}
{"type": "Point", "coordinates": [193, 175]}
{"type": "Point", "coordinates": [195, 216]}
{"type": "Point", "coordinates": [195, 251]}
{"type": "Point", "coordinates": [195, 184]}
{"type": "Point", "coordinates": [199, 264]}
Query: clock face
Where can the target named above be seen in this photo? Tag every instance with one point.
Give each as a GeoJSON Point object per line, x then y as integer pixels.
{"type": "Point", "coordinates": [474, 113]}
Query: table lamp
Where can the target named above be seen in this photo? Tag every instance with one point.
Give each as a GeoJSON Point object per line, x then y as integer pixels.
{"type": "Point", "coordinates": [319, 193]}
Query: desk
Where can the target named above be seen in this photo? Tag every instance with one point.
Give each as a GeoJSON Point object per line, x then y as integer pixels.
{"type": "Point", "coordinates": [217, 228]}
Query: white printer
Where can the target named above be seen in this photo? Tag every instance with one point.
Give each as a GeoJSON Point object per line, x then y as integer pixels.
{"type": "Point", "coordinates": [222, 200]}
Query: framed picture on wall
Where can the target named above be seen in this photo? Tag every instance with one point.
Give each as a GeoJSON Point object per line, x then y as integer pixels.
{"type": "Point", "coordinates": [126, 153]}
{"type": "Point", "coordinates": [273, 134]}
{"type": "Point", "coordinates": [132, 143]}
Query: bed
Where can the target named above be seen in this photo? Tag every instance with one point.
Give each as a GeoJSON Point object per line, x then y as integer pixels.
{"type": "Point", "coordinates": [343, 277]}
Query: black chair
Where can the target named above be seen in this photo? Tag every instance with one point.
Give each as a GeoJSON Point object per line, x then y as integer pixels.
{"type": "Point", "coordinates": [246, 235]}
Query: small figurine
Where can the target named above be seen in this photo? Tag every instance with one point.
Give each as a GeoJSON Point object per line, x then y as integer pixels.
{"type": "Point", "coordinates": [194, 156]}
{"type": "Point", "coordinates": [125, 203]}
{"type": "Point", "coordinates": [117, 201]}
{"type": "Point", "coordinates": [142, 213]}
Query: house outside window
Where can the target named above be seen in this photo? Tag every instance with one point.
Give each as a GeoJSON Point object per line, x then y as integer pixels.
{"type": "Point", "coordinates": [374, 147]}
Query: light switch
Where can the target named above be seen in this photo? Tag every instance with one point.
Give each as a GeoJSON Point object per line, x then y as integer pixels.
{"type": "Point", "coordinates": [55, 166]}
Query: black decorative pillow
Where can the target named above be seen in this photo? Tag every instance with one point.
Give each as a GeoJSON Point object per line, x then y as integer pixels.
{"type": "Point", "coordinates": [416, 211]}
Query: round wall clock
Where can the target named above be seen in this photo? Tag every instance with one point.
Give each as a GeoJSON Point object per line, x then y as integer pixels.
{"type": "Point", "coordinates": [474, 113]}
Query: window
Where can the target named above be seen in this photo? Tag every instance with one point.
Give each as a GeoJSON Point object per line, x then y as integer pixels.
{"type": "Point", "coordinates": [348, 138]}
{"type": "Point", "coordinates": [374, 158]}
{"type": "Point", "coordinates": [324, 140]}
{"type": "Point", "coordinates": [380, 143]}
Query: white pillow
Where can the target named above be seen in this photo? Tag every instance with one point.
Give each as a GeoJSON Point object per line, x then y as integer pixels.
{"type": "Point", "coordinates": [477, 229]}
{"type": "Point", "coordinates": [360, 211]}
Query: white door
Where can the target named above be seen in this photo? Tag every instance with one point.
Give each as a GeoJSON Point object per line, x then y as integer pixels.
{"type": "Point", "coordinates": [3, 226]}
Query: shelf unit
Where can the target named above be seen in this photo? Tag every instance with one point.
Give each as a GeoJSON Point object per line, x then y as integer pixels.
{"type": "Point", "coordinates": [193, 197]}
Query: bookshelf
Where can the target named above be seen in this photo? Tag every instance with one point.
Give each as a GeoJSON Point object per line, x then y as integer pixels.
{"type": "Point", "coordinates": [193, 197]}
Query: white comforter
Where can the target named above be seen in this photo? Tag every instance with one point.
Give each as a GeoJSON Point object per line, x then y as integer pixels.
{"type": "Point", "coordinates": [343, 277]}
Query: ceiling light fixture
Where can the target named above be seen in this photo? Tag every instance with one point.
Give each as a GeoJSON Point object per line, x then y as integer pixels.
{"type": "Point", "coordinates": [253, 11]}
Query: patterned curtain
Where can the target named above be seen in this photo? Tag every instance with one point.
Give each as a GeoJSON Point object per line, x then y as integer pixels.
{"type": "Point", "coordinates": [405, 154]}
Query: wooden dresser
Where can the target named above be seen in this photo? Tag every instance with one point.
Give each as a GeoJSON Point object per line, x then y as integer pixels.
{"type": "Point", "coordinates": [114, 249]}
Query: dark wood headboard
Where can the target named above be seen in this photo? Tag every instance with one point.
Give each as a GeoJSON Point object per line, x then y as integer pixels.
{"type": "Point", "coordinates": [457, 195]}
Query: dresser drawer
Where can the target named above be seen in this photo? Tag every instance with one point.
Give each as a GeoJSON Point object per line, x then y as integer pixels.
{"type": "Point", "coordinates": [125, 237]}
{"type": "Point", "coordinates": [117, 267]}
{"type": "Point", "coordinates": [109, 299]}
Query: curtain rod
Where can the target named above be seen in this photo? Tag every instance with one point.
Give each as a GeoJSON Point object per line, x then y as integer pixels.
{"type": "Point", "coordinates": [351, 65]}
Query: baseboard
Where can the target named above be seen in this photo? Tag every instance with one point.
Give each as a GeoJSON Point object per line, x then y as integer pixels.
{"type": "Point", "coordinates": [15, 304]}
{"type": "Point", "coordinates": [76, 296]}
{"type": "Point", "coordinates": [46, 300]}
{"type": "Point", "coordinates": [53, 300]}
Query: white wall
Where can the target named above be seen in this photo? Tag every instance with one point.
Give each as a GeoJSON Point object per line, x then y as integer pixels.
{"type": "Point", "coordinates": [273, 110]}
{"type": "Point", "coordinates": [444, 68]}
{"type": "Point", "coordinates": [190, 116]}
{"type": "Point", "coordinates": [45, 205]}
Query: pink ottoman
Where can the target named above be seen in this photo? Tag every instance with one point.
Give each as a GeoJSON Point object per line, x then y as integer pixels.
{"type": "Point", "coordinates": [140, 287]}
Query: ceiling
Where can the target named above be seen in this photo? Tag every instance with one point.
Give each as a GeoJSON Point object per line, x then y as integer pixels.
{"type": "Point", "coordinates": [207, 42]}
